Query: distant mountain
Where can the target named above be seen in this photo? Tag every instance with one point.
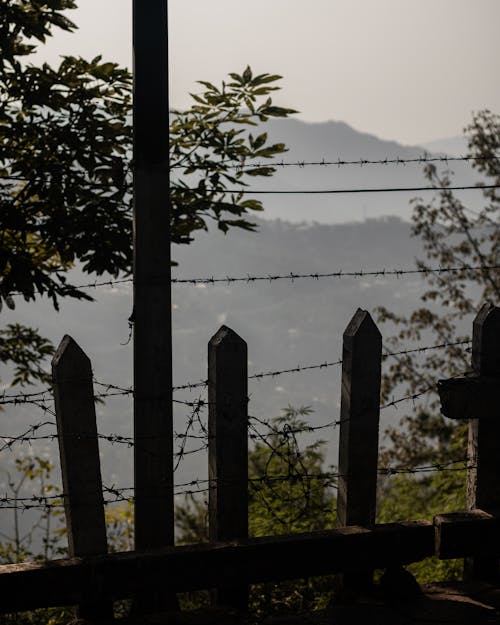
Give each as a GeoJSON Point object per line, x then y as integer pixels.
{"type": "Point", "coordinates": [332, 141]}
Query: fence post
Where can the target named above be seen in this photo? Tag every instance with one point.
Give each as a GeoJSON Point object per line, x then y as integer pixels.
{"type": "Point", "coordinates": [359, 424]}
{"type": "Point", "coordinates": [483, 451]}
{"type": "Point", "coordinates": [228, 448]}
{"type": "Point", "coordinates": [80, 466]}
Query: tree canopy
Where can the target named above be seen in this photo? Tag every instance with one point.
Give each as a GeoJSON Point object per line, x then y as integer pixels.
{"type": "Point", "coordinates": [65, 159]}
{"type": "Point", "coordinates": [453, 234]}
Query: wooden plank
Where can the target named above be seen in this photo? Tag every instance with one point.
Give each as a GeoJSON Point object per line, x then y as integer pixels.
{"type": "Point", "coordinates": [195, 567]}
{"type": "Point", "coordinates": [470, 533]}
{"type": "Point", "coordinates": [228, 448]}
{"type": "Point", "coordinates": [359, 416]}
{"type": "Point", "coordinates": [80, 464]}
{"type": "Point", "coordinates": [464, 398]}
{"type": "Point", "coordinates": [483, 452]}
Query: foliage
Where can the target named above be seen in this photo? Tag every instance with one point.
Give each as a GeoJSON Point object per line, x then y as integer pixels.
{"type": "Point", "coordinates": [66, 146]}
{"type": "Point", "coordinates": [421, 496]}
{"type": "Point", "coordinates": [212, 150]}
{"type": "Point", "coordinates": [120, 526]}
{"type": "Point", "coordinates": [64, 136]}
{"type": "Point", "coordinates": [455, 235]}
{"type": "Point", "coordinates": [26, 350]}
{"type": "Point", "coordinates": [44, 616]}
{"type": "Point", "coordinates": [284, 498]}
{"type": "Point", "coordinates": [33, 478]}
{"type": "Point", "coordinates": [289, 491]}
{"type": "Point", "coordinates": [33, 474]}
{"type": "Point", "coordinates": [452, 235]}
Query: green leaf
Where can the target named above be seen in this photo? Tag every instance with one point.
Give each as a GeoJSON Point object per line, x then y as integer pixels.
{"type": "Point", "coordinates": [263, 79]}
{"type": "Point", "coordinates": [260, 171]}
{"type": "Point", "coordinates": [259, 141]}
{"type": "Point", "coordinates": [237, 78]}
{"type": "Point", "coordinates": [208, 85]}
{"type": "Point", "coordinates": [247, 75]}
{"type": "Point", "coordinates": [277, 111]}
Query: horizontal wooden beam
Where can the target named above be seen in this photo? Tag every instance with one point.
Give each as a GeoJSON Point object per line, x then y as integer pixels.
{"type": "Point", "coordinates": [120, 575]}
{"type": "Point", "coordinates": [461, 534]}
{"type": "Point", "coordinates": [474, 397]}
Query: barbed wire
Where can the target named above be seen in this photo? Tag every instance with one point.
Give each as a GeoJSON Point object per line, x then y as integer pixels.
{"type": "Point", "coordinates": [300, 163]}
{"type": "Point", "coordinates": [291, 276]}
{"type": "Point", "coordinates": [341, 162]}
{"type": "Point", "coordinates": [379, 273]}
{"type": "Point", "coordinates": [287, 430]}
{"type": "Point", "coordinates": [281, 441]}
{"type": "Point", "coordinates": [384, 471]}
{"type": "Point", "coordinates": [193, 418]}
{"type": "Point", "coordinates": [9, 441]}
{"type": "Point", "coordinates": [325, 365]}
{"type": "Point", "coordinates": [31, 433]}
{"type": "Point", "coordinates": [278, 440]}
{"type": "Point", "coordinates": [204, 485]}
{"type": "Point", "coordinates": [39, 397]}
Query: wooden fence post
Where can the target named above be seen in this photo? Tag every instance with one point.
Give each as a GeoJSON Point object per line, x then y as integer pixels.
{"type": "Point", "coordinates": [228, 448]}
{"type": "Point", "coordinates": [358, 446]}
{"type": "Point", "coordinates": [80, 466]}
{"type": "Point", "coordinates": [153, 420]}
{"type": "Point", "coordinates": [153, 413]}
{"type": "Point", "coordinates": [483, 478]}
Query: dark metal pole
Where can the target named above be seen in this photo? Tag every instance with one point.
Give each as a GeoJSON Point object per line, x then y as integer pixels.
{"type": "Point", "coordinates": [153, 450]}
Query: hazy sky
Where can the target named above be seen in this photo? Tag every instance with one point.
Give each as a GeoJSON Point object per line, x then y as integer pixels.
{"type": "Point", "coordinates": [409, 70]}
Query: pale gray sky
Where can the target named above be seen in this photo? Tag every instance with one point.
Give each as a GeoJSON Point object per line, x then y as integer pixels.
{"type": "Point", "coordinates": [409, 70]}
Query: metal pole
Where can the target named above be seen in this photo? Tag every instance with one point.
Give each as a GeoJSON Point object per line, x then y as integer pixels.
{"type": "Point", "coordinates": [153, 430]}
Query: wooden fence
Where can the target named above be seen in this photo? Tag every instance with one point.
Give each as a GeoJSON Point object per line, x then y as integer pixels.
{"type": "Point", "coordinates": [91, 578]}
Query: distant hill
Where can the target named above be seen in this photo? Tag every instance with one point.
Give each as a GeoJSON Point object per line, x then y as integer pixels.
{"type": "Point", "coordinates": [332, 141]}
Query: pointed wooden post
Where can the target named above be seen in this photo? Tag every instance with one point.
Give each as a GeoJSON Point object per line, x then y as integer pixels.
{"type": "Point", "coordinates": [80, 465]}
{"type": "Point", "coordinates": [483, 479]}
{"type": "Point", "coordinates": [228, 448]}
{"type": "Point", "coordinates": [358, 445]}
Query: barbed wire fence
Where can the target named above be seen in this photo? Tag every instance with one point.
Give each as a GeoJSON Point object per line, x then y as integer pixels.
{"type": "Point", "coordinates": [43, 401]}
{"type": "Point", "coordinates": [261, 430]}
{"type": "Point", "coordinates": [278, 439]}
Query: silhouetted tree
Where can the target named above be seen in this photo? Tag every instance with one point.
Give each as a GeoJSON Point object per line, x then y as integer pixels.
{"type": "Point", "coordinates": [454, 235]}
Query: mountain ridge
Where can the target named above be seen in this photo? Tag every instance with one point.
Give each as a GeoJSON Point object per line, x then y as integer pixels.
{"type": "Point", "coordinates": [333, 141]}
